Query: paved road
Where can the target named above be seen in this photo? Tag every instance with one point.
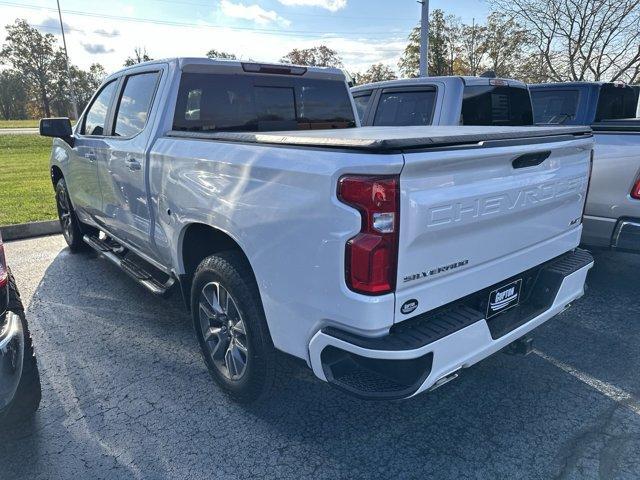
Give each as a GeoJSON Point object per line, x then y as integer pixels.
{"type": "Point", "coordinates": [126, 395]}
{"type": "Point", "coordinates": [19, 131]}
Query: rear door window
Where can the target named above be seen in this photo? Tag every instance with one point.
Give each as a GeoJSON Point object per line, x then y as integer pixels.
{"type": "Point", "coordinates": [405, 108]}
{"type": "Point", "coordinates": [555, 106]}
{"type": "Point", "coordinates": [95, 121]}
{"type": "Point", "coordinates": [496, 105]}
{"type": "Point", "coordinates": [135, 103]}
{"type": "Point", "coordinates": [362, 102]}
{"type": "Point", "coordinates": [615, 102]}
{"type": "Point", "coordinates": [220, 102]}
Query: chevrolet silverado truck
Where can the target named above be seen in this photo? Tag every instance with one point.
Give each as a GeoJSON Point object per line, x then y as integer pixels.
{"type": "Point", "coordinates": [386, 258]}
{"type": "Point", "coordinates": [612, 215]}
{"type": "Point", "coordinates": [444, 101]}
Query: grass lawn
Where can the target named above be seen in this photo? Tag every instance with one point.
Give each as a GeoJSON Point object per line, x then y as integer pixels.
{"type": "Point", "coordinates": [19, 123]}
{"type": "Point", "coordinates": [26, 194]}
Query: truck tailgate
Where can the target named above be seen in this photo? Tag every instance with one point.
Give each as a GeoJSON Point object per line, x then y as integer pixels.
{"type": "Point", "coordinates": [472, 217]}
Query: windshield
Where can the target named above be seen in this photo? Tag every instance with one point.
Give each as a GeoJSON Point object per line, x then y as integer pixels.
{"type": "Point", "coordinates": [216, 102]}
{"type": "Point", "coordinates": [554, 106]}
{"type": "Point", "coordinates": [496, 105]}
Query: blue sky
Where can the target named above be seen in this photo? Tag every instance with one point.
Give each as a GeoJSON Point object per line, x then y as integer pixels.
{"type": "Point", "coordinates": [363, 32]}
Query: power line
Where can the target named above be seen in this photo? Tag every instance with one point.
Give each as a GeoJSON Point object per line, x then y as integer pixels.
{"type": "Point", "coordinates": [292, 33]}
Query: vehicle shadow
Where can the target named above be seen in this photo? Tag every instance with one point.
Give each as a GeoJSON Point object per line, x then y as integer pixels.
{"type": "Point", "coordinates": [126, 395]}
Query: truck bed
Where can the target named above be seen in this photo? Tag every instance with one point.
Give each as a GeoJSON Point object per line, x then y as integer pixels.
{"type": "Point", "coordinates": [388, 139]}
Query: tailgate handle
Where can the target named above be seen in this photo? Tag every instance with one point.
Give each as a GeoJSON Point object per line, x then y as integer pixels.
{"type": "Point", "coordinates": [530, 159]}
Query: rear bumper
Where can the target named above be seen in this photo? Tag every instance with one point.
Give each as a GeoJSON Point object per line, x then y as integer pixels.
{"type": "Point", "coordinates": [597, 231]}
{"type": "Point", "coordinates": [626, 236]}
{"type": "Point", "coordinates": [621, 234]}
{"type": "Point", "coordinates": [424, 352]}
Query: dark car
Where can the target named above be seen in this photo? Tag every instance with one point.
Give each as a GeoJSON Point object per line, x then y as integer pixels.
{"type": "Point", "coordinates": [19, 378]}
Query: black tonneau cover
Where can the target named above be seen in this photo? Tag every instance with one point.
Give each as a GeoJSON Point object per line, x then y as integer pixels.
{"type": "Point", "coordinates": [620, 125]}
{"type": "Point", "coordinates": [382, 139]}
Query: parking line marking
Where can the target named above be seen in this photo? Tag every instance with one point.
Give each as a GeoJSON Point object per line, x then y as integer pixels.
{"type": "Point", "coordinates": [611, 391]}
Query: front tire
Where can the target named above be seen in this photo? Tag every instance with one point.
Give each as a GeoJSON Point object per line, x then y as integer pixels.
{"type": "Point", "coordinates": [231, 328]}
{"type": "Point", "coordinates": [71, 226]}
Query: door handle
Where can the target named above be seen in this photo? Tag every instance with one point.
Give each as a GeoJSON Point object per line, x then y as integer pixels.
{"type": "Point", "coordinates": [133, 164]}
{"type": "Point", "coordinates": [530, 159]}
{"type": "Point", "coordinates": [91, 156]}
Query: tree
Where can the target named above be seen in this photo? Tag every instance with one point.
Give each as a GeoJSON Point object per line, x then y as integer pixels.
{"type": "Point", "coordinates": [582, 40]}
{"type": "Point", "coordinates": [378, 72]}
{"type": "Point", "coordinates": [60, 94]}
{"type": "Point", "coordinates": [321, 56]}
{"type": "Point", "coordinates": [220, 54]}
{"type": "Point", "coordinates": [444, 48]}
{"type": "Point", "coordinates": [409, 63]}
{"type": "Point", "coordinates": [139, 56]}
{"type": "Point", "coordinates": [86, 82]}
{"type": "Point", "coordinates": [13, 95]}
{"type": "Point", "coordinates": [35, 57]}
{"type": "Point", "coordinates": [473, 48]}
{"type": "Point", "coordinates": [438, 44]}
{"type": "Point", "coordinates": [506, 45]}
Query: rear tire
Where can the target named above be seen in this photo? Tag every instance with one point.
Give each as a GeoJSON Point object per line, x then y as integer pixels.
{"type": "Point", "coordinates": [72, 229]}
{"type": "Point", "coordinates": [231, 328]}
{"type": "Point", "coordinates": [28, 395]}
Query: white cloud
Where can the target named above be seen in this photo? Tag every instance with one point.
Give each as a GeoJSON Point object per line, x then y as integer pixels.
{"type": "Point", "coordinates": [254, 13]}
{"type": "Point", "coordinates": [163, 41]}
{"type": "Point", "coordinates": [331, 5]}
{"type": "Point", "coordinates": [96, 48]}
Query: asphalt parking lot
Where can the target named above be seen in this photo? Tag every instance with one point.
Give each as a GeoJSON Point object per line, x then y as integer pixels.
{"type": "Point", "coordinates": [126, 395]}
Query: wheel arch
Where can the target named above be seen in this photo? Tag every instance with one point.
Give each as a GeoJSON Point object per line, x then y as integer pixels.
{"type": "Point", "coordinates": [56, 174]}
{"type": "Point", "coordinates": [198, 241]}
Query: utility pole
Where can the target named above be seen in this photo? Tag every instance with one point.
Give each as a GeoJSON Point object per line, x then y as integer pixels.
{"type": "Point", "coordinates": [66, 57]}
{"type": "Point", "coordinates": [424, 39]}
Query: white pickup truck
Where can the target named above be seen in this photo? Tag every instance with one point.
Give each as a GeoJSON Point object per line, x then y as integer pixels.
{"type": "Point", "coordinates": [387, 258]}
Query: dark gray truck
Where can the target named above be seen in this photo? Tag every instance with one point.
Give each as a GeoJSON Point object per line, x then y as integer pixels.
{"type": "Point", "coordinates": [612, 212]}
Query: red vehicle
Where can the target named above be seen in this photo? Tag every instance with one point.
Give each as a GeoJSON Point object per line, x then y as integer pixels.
{"type": "Point", "coordinates": [19, 378]}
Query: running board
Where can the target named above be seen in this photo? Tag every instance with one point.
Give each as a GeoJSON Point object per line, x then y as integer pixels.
{"type": "Point", "coordinates": [146, 275]}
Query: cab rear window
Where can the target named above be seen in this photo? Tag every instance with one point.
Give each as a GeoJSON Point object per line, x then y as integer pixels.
{"type": "Point", "coordinates": [555, 106]}
{"type": "Point", "coordinates": [496, 105]}
{"type": "Point", "coordinates": [218, 102]}
{"type": "Point", "coordinates": [407, 108]}
{"type": "Point", "coordinates": [616, 102]}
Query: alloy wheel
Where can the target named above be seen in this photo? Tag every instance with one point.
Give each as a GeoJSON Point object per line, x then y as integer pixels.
{"type": "Point", "coordinates": [223, 331]}
{"type": "Point", "coordinates": [64, 213]}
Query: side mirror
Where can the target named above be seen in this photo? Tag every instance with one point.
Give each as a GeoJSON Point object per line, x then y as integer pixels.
{"type": "Point", "coordinates": [55, 127]}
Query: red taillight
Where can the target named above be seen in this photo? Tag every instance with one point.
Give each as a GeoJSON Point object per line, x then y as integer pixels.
{"type": "Point", "coordinates": [371, 255]}
{"type": "Point", "coordinates": [635, 191]}
{"type": "Point", "coordinates": [3, 266]}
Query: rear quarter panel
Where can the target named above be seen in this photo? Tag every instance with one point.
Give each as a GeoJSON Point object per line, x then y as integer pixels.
{"type": "Point", "coordinates": [280, 206]}
{"type": "Point", "coordinates": [616, 166]}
